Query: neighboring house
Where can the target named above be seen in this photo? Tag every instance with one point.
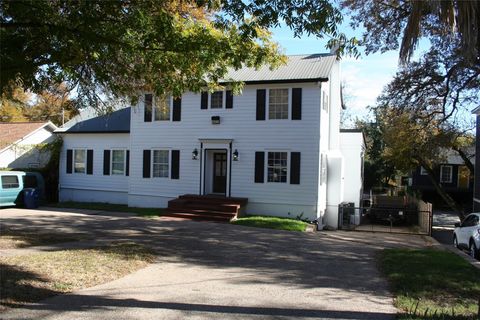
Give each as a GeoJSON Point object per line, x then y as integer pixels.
{"type": "Point", "coordinates": [277, 144]}
{"type": "Point", "coordinates": [20, 143]}
{"type": "Point", "coordinates": [453, 175]}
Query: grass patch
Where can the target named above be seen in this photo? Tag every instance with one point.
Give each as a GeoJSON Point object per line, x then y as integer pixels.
{"type": "Point", "coordinates": [13, 239]}
{"type": "Point", "coordinates": [432, 284]}
{"type": "Point", "coordinates": [272, 223]}
{"type": "Point", "coordinates": [30, 278]}
{"type": "Point", "coordinates": [145, 212]}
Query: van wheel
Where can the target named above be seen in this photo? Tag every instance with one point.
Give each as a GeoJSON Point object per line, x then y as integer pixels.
{"type": "Point", "coordinates": [473, 250]}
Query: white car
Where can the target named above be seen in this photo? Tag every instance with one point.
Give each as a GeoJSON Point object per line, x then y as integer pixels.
{"type": "Point", "coordinates": [467, 235]}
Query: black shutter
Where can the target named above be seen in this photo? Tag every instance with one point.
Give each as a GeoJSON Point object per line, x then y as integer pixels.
{"type": "Point", "coordinates": [106, 162]}
{"type": "Point", "coordinates": [175, 173]}
{"type": "Point", "coordinates": [229, 101]}
{"type": "Point", "coordinates": [295, 168]}
{"type": "Point", "coordinates": [177, 109]}
{"type": "Point", "coordinates": [146, 163]}
{"type": "Point", "coordinates": [69, 160]}
{"type": "Point", "coordinates": [89, 161]}
{"type": "Point", "coordinates": [127, 164]}
{"type": "Point", "coordinates": [204, 102]}
{"type": "Point", "coordinates": [259, 166]}
{"type": "Point", "coordinates": [261, 96]}
{"type": "Point", "coordinates": [147, 115]}
{"type": "Point", "coordinates": [297, 104]}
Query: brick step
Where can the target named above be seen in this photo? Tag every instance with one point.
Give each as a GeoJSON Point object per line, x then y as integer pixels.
{"type": "Point", "coordinates": [180, 204]}
{"type": "Point", "coordinates": [214, 199]}
{"type": "Point", "coordinates": [200, 217]}
{"type": "Point", "coordinates": [201, 212]}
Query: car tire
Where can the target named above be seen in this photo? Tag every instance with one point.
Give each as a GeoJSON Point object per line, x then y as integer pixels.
{"type": "Point", "coordinates": [455, 241]}
{"type": "Point", "coordinates": [473, 250]}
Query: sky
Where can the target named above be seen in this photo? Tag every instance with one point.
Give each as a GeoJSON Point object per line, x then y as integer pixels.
{"type": "Point", "coordinates": [364, 77]}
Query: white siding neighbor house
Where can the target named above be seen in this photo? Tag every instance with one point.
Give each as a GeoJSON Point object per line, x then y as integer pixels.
{"type": "Point", "coordinates": [20, 144]}
{"type": "Point", "coordinates": [277, 147]}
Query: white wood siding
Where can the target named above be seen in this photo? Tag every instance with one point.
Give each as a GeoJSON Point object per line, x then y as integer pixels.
{"type": "Point", "coordinates": [248, 136]}
{"type": "Point", "coordinates": [84, 187]}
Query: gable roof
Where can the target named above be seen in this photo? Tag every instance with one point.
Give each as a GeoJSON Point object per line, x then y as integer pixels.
{"type": "Point", "coordinates": [12, 132]}
{"type": "Point", "coordinates": [115, 122]}
{"type": "Point", "coordinates": [300, 68]}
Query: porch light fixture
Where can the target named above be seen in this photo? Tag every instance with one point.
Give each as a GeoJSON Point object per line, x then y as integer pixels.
{"type": "Point", "coordinates": [195, 154]}
{"type": "Point", "coordinates": [235, 155]}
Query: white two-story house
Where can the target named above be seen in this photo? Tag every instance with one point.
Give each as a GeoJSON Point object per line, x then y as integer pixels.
{"type": "Point", "coordinates": [278, 144]}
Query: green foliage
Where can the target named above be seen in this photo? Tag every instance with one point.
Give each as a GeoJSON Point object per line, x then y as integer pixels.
{"type": "Point", "coordinates": [272, 223]}
{"type": "Point", "coordinates": [109, 50]}
{"type": "Point", "coordinates": [432, 283]}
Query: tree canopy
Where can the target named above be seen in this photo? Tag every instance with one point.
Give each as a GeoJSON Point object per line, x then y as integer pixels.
{"type": "Point", "coordinates": [118, 48]}
{"type": "Point", "coordinates": [400, 24]}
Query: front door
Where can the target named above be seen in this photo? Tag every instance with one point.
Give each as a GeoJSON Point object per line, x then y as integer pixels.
{"type": "Point", "coordinates": [220, 172]}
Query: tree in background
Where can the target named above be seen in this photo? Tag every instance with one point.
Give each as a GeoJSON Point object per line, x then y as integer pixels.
{"type": "Point", "coordinates": [400, 24]}
{"type": "Point", "coordinates": [52, 104]}
{"type": "Point", "coordinates": [115, 49]}
{"type": "Point", "coordinates": [12, 107]}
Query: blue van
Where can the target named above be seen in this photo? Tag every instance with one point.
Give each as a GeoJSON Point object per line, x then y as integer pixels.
{"type": "Point", "coordinates": [11, 186]}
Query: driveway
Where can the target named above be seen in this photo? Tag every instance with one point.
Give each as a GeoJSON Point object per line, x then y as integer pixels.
{"type": "Point", "coordinates": [219, 271]}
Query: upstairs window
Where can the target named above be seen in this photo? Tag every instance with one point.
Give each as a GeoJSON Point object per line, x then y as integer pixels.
{"type": "Point", "coordinates": [278, 104]}
{"type": "Point", "coordinates": [162, 109]}
{"type": "Point", "coordinates": [216, 100]}
{"type": "Point", "coordinates": [446, 174]}
{"type": "Point", "coordinates": [277, 168]}
{"type": "Point", "coordinates": [79, 160]}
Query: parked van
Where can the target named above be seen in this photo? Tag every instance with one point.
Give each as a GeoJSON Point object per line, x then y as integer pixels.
{"type": "Point", "coordinates": [11, 186]}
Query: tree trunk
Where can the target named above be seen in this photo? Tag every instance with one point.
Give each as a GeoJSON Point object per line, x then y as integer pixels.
{"type": "Point", "coordinates": [441, 192]}
{"type": "Point", "coordinates": [466, 160]}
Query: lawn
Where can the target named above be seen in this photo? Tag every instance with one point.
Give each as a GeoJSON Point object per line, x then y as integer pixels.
{"type": "Point", "coordinates": [272, 223]}
{"type": "Point", "coordinates": [432, 284]}
{"type": "Point", "coordinates": [30, 278]}
{"type": "Point", "coordinates": [145, 212]}
{"type": "Point", "coordinates": [13, 239]}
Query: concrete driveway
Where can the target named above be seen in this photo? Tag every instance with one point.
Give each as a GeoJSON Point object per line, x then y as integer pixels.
{"type": "Point", "coordinates": [210, 270]}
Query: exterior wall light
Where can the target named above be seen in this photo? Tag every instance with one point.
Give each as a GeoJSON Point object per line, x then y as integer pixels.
{"type": "Point", "coordinates": [195, 154]}
{"type": "Point", "coordinates": [235, 155]}
{"type": "Point", "coordinates": [215, 119]}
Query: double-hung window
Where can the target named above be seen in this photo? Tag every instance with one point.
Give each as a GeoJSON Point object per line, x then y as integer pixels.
{"type": "Point", "coordinates": [278, 104]}
{"type": "Point", "coordinates": [160, 163]}
{"type": "Point", "coordinates": [79, 160]}
{"type": "Point", "coordinates": [161, 111]}
{"type": "Point", "coordinates": [118, 162]}
{"type": "Point", "coordinates": [446, 174]}
{"type": "Point", "coordinates": [216, 100]}
{"type": "Point", "coordinates": [277, 167]}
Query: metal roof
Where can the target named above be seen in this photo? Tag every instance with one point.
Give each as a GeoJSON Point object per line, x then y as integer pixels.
{"type": "Point", "coordinates": [115, 122]}
{"type": "Point", "coordinates": [313, 67]}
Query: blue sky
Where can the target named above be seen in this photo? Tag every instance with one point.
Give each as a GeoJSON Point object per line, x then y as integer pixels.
{"type": "Point", "coordinates": [364, 77]}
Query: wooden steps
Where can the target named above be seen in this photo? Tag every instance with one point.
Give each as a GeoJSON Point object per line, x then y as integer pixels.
{"type": "Point", "coordinates": [207, 208]}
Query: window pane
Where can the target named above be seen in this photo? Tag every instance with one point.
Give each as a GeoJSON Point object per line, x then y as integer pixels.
{"type": "Point", "coordinates": [118, 162]}
{"type": "Point", "coordinates": [216, 101]}
{"type": "Point", "coordinates": [278, 104]}
{"type": "Point", "coordinates": [10, 182]}
{"type": "Point", "coordinates": [160, 163]}
{"type": "Point", "coordinates": [162, 109]}
{"type": "Point", "coordinates": [79, 161]}
{"type": "Point", "coordinates": [277, 167]}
